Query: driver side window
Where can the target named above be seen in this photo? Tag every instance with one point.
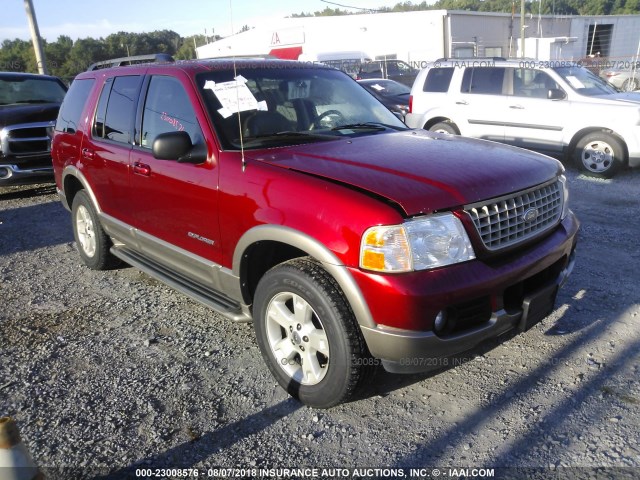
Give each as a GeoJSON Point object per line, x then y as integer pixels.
{"type": "Point", "coordinates": [528, 82]}
{"type": "Point", "coordinates": [168, 109]}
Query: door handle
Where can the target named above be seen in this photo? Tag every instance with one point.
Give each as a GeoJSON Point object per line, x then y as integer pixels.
{"type": "Point", "coordinates": [88, 153]}
{"type": "Point", "coordinates": [462, 102]}
{"type": "Point", "coordinates": [516, 107]}
{"type": "Point", "coordinates": [141, 169]}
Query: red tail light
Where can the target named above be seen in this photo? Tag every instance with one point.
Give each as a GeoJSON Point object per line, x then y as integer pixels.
{"type": "Point", "coordinates": [410, 103]}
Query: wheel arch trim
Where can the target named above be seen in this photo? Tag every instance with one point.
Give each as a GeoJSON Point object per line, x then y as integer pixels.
{"type": "Point", "coordinates": [316, 250]}
{"type": "Point", "coordinates": [78, 175]}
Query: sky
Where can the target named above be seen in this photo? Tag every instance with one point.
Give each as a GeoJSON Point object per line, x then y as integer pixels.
{"type": "Point", "coordinates": [91, 18]}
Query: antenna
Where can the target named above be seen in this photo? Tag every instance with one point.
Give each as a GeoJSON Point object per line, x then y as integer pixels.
{"type": "Point", "coordinates": [235, 74]}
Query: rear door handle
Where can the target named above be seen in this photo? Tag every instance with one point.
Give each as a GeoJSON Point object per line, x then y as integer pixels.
{"type": "Point", "coordinates": [516, 107]}
{"type": "Point", "coordinates": [462, 102]}
{"type": "Point", "coordinates": [141, 169]}
{"type": "Point", "coordinates": [88, 153]}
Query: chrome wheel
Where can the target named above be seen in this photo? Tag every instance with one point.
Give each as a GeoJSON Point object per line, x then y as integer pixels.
{"type": "Point", "coordinates": [297, 338]}
{"type": "Point", "coordinates": [598, 156]}
{"type": "Point", "coordinates": [86, 231]}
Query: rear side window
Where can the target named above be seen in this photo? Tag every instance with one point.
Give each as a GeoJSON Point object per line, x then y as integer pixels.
{"type": "Point", "coordinates": [72, 106]}
{"type": "Point", "coordinates": [438, 80]}
{"type": "Point", "coordinates": [168, 109]}
{"type": "Point", "coordinates": [483, 80]}
{"type": "Point", "coordinates": [116, 109]}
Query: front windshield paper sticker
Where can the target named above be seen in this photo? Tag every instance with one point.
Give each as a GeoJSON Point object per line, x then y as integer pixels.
{"type": "Point", "coordinates": [575, 82]}
{"type": "Point", "coordinates": [234, 96]}
{"type": "Point", "coordinates": [377, 87]}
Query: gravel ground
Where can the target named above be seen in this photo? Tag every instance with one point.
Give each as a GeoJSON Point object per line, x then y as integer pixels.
{"type": "Point", "coordinates": [106, 372]}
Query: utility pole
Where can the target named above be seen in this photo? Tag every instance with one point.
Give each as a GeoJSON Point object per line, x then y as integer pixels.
{"type": "Point", "coordinates": [35, 37]}
{"type": "Point", "coordinates": [522, 26]}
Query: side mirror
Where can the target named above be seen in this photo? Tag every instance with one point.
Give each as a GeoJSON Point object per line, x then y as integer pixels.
{"type": "Point", "coordinates": [556, 94]}
{"type": "Point", "coordinates": [177, 146]}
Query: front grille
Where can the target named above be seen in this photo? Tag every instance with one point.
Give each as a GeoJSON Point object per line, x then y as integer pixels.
{"type": "Point", "coordinates": [26, 140]}
{"type": "Point", "coordinates": [515, 218]}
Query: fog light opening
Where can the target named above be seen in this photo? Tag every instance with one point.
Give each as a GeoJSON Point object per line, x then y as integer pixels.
{"type": "Point", "coordinates": [440, 322]}
{"type": "Point", "coordinates": [4, 173]}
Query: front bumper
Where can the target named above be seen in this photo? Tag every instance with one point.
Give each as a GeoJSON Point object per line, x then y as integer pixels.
{"type": "Point", "coordinates": [410, 350]}
{"type": "Point", "coordinates": [14, 175]}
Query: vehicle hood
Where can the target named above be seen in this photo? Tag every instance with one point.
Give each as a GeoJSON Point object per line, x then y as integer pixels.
{"type": "Point", "coordinates": [23, 113]}
{"type": "Point", "coordinates": [420, 171]}
{"type": "Point", "coordinates": [632, 98]}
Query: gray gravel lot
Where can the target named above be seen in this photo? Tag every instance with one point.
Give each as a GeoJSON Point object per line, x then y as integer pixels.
{"type": "Point", "coordinates": [106, 372]}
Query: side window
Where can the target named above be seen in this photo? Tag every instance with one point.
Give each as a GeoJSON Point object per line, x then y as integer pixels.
{"type": "Point", "coordinates": [403, 67]}
{"type": "Point", "coordinates": [483, 80]}
{"type": "Point", "coordinates": [438, 80]}
{"type": "Point", "coordinates": [528, 82]}
{"type": "Point", "coordinates": [72, 106]}
{"type": "Point", "coordinates": [116, 109]}
{"type": "Point", "coordinates": [168, 109]}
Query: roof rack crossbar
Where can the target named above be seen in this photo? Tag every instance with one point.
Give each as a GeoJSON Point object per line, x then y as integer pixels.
{"type": "Point", "coordinates": [134, 60]}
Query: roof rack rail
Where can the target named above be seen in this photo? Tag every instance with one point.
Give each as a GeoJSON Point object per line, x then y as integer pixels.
{"type": "Point", "coordinates": [447, 59]}
{"type": "Point", "coordinates": [119, 62]}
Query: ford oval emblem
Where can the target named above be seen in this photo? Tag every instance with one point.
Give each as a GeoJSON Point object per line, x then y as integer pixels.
{"type": "Point", "coordinates": [530, 215]}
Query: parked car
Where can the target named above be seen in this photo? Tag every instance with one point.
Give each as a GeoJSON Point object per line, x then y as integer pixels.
{"type": "Point", "coordinates": [563, 110]}
{"type": "Point", "coordinates": [29, 105]}
{"type": "Point", "coordinates": [392, 69]}
{"type": "Point", "coordinates": [393, 95]}
{"type": "Point", "coordinates": [627, 80]}
{"type": "Point", "coordinates": [284, 194]}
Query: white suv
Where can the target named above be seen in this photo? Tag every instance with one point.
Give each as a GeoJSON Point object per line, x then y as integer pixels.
{"type": "Point", "coordinates": [559, 108]}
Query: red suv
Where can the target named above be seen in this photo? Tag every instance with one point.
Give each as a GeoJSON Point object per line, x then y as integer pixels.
{"type": "Point", "coordinates": [283, 193]}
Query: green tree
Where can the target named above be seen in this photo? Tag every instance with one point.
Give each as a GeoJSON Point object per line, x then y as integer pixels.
{"type": "Point", "coordinates": [187, 50]}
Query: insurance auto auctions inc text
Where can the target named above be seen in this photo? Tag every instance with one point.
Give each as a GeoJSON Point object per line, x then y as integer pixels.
{"type": "Point", "coordinates": [359, 473]}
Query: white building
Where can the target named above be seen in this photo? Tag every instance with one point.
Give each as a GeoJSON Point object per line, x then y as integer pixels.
{"type": "Point", "coordinates": [416, 37]}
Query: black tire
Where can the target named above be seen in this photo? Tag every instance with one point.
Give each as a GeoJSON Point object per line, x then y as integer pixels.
{"type": "Point", "coordinates": [599, 154]}
{"type": "Point", "coordinates": [444, 127]}
{"type": "Point", "coordinates": [630, 85]}
{"type": "Point", "coordinates": [92, 242]}
{"type": "Point", "coordinates": [336, 372]}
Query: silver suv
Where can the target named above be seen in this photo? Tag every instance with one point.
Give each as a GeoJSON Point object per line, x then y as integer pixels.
{"type": "Point", "coordinates": [558, 108]}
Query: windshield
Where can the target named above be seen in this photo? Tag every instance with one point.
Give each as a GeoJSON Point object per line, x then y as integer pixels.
{"type": "Point", "coordinates": [284, 106]}
{"type": "Point", "coordinates": [30, 90]}
{"type": "Point", "coordinates": [584, 82]}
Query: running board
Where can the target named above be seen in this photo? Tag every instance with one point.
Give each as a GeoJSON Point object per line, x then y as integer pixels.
{"type": "Point", "coordinates": [222, 304]}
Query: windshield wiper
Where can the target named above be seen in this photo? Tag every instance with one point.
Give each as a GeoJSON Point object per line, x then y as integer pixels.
{"type": "Point", "coordinates": [291, 133]}
{"type": "Point", "coordinates": [35, 101]}
{"type": "Point", "coordinates": [377, 126]}
{"type": "Point", "coordinates": [285, 136]}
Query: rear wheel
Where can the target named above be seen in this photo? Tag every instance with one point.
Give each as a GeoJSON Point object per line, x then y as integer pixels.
{"type": "Point", "coordinates": [93, 243]}
{"type": "Point", "coordinates": [308, 334]}
{"type": "Point", "coordinates": [599, 154]}
{"type": "Point", "coordinates": [447, 128]}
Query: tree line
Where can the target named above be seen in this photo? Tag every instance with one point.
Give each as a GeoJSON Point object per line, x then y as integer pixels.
{"type": "Point", "coordinates": [66, 58]}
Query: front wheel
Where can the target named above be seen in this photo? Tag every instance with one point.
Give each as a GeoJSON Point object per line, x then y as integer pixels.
{"type": "Point", "coordinates": [599, 154]}
{"type": "Point", "coordinates": [308, 334]}
{"type": "Point", "coordinates": [448, 128]}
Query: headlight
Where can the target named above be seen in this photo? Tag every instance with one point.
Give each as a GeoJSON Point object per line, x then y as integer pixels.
{"type": "Point", "coordinates": [565, 196]}
{"type": "Point", "coordinates": [420, 244]}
